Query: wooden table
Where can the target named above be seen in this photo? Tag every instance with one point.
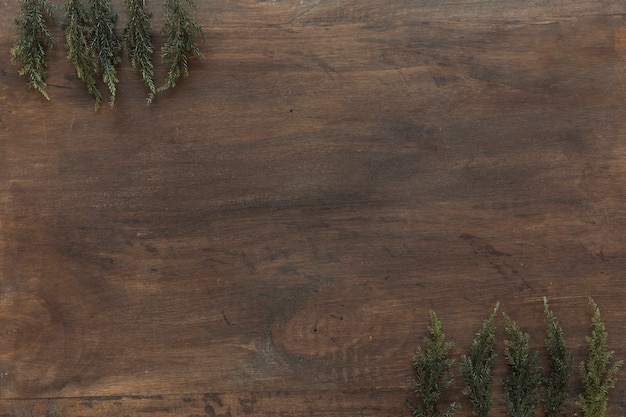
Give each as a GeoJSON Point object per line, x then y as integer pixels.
{"type": "Point", "coordinates": [268, 238]}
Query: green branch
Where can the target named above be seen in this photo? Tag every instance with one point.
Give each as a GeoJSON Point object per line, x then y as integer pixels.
{"type": "Point", "coordinates": [138, 43]}
{"type": "Point", "coordinates": [180, 30]}
{"type": "Point", "coordinates": [434, 373]}
{"type": "Point", "coordinates": [599, 371]}
{"type": "Point", "coordinates": [560, 365]}
{"type": "Point", "coordinates": [34, 39]}
{"type": "Point", "coordinates": [78, 30]}
{"type": "Point", "coordinates": [477, 367]}
{"type": "Point", "coordinates": [521, 385]}
{"type": "Point", "coordinates": [105, 44]}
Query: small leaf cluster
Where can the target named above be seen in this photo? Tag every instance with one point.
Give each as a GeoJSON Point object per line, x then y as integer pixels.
{"type": "Point", "coordinates": [34, 39]}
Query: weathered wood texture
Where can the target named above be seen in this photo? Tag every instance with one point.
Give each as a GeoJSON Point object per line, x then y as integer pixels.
{"type": "Point", "coordinates": [267, 239]}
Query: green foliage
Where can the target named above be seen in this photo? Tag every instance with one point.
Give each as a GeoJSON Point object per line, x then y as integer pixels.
{"type": "Point", "coordinates": [434, 373]}
{"type": "Point", "coordinates": [180, 30]}
{"type": "Point", "coordinates": [78, 30]}
{"type": "Point", "coordinates": [138, 43]}
{"type": "Point", "coordinates": [521, 385]}
{"type": "Point", "coordinates": [599, 371]}
{"type": "Point", "coordinates": [105, 44]}
{"type": "Point", "coordinates": [34, 39]}
{"type": "Point", "coordinates": [477, 367]}
{"type": "Point", "coordinates": [560, 365]}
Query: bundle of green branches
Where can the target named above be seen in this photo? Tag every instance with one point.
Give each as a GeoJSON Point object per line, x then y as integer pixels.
{"type": "Point", "coordinates": [94, 49]}
{"type": "Point", "coordinates": [525, 378]}
{"type": "Point", "coordinates": [434, 373]}
{"type": "Point", "coordinates": [34, 39]}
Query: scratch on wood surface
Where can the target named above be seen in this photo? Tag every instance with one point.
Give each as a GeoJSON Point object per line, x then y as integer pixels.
{"type": "Point", "coordinates": [304, 7]}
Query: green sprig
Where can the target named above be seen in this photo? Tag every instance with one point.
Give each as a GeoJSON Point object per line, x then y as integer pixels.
{"type": "Point", "coordinates": [78, 30]}
{"type": "Point", "coordinates": [181, 31]}
{"type": "Point", "coordinates": [560, 365]}
{"type": "Point", "coordinates": [434, 373]}
{"type": "Point", "coordinates": [477, 366]}
{"type": "Point", "coordinates": [34, 39]}
{"type": "Point", "coordinates": [521, 385]}
{"type": "Point", "coordinates": [599, 371]}
{"type": "Point", "coordinates": [138, 43]}
{"type": "Point", "coordinates": [105, 44]}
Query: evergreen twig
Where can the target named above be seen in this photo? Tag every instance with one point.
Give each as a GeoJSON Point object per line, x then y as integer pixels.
{"type": "Point", "coordinates": [599, 371]}
{"type": "Point", "coordinates": [105, 44]}
{"type": "Point", "coordinates": [477, 367]}
{"type": "Point", "coordinates": [78, 30]}
{"type": "Point", "coordinates": [434, 373]}
{"type": "Point", "coordinates": [521, 385]}
{"type": "Point", "coordinates": [180, 30]}
{"type": "Point", "coordinates": [138, 43]}
{"type": "Point", "coordinates": [34, 39]}
{"type": "Point", "coordinates": [560, 366]}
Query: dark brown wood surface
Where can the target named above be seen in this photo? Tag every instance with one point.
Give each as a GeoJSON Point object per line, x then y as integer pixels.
{"type": "Point", "coordinates": [267, 238]}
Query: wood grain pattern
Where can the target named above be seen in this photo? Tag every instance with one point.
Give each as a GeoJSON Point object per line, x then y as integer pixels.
{"type": "Point", "coordinates": [267, 238]}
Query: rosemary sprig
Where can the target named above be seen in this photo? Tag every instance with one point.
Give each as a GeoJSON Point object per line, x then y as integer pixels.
{"type": "Point", "coordinates": [105, 44]}
{"type": "Point", "coordinates": [477, 367]}
{"type": "Point", "coordinates": [34, 39]}
{"type": "Point", "coordinates": [434, 373]}
{"type": "Point", "coordinates": [560, 365]}
{"type": "Point", "coordinates": [78, 29]}
{"type": "Point", "coordinates": [180, 30]}
{"type": "Point", "coordinates": [138, 43]}
{"type": "Point", "coordinates": [521, 385]}
{"type": "Point", "coordinates": [598, 371]}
